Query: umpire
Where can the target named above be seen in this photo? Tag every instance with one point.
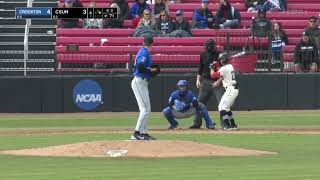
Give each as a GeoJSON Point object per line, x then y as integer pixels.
{"type": "Point", "coordinates": [204, 81]}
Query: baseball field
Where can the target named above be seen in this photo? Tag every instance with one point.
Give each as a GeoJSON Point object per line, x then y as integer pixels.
{"type": "Point", "coordinates": [292, 137]}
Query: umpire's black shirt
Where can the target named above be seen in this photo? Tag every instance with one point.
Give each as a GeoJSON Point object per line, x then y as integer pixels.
{"type": "Point", "coordinates": [206, 58]}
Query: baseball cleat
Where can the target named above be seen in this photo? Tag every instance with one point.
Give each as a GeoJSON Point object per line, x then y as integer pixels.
{"type": "Point", "coordinates": [147, 137]}
{"type": "Point", "coordinates": [211, 126]}
{"type": "Point", "coordinates": [195, 127]}
{"type": "Point", "coordinates": [227, 128]}
{"type": "Point", "coordinates": [136, 136]}
{"type": "Point", "coordinates": [235, 127]}
{"type": "Point", "coordinates": [172, 127]}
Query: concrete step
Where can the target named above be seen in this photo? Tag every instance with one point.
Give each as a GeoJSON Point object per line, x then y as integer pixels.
{"type": "Point", "coordinates": [34, 37]}
{"type": "Point", "coordinates": [13, 21]}
{"type": "Point", "coordinates": [21, 28]}
{"type": "Point", "coordinates": [29, 60]}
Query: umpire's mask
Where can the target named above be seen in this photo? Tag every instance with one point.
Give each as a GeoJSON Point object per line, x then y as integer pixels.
{"type": "Point", "coordinates": [210, 45]}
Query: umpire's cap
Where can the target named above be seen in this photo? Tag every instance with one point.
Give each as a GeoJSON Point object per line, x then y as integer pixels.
{"type": "Point", "coordinates": [148, 39]}
{"type": "Point", "coordinates": [223, 57]}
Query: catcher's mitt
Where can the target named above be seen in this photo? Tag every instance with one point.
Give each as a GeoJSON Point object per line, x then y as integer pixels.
{"type": "Point", "coordinates": [155, 73]}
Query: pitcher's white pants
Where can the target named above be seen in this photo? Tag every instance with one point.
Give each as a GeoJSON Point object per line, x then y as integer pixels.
{"type": "Point", "coordinates": [141, 92]}
{"type": "Point", "coordinates": [228, 98]}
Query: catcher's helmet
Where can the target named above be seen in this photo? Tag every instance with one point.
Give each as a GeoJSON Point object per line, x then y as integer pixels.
{"type": "Point", "coordinates": [182, 83]}
{"type": "Point", "coordinates": [224, 58]}
{"type": "Point", "coordinates": [182, 86]}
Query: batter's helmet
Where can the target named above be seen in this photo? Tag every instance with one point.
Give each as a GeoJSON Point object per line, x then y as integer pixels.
{"type": "Point", "coordinates": [223, 57]}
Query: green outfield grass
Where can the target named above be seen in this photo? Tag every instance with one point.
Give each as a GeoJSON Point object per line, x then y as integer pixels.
{"type": "Point", "coordinates": [298, 157]}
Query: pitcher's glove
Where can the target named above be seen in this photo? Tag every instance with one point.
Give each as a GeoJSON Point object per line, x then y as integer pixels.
{"type": "Point", "coordinates": [155, 73]}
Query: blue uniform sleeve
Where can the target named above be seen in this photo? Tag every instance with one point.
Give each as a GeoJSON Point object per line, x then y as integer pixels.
{"type": "Point", "coordinates": [143, 58]}
{"type": "Point", "coordinates": [193, 99]}
{"type": "Point", "coordinates": [171, 100]}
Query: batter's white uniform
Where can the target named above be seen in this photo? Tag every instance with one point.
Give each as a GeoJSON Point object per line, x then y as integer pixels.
{"type": "Point", "coordinates": [228, 80]}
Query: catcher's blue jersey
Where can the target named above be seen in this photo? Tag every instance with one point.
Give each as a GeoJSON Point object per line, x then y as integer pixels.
{"type": "Point", "coordinates": [143, 57]}
{"type": "Point", "coordinates": [183, 99]}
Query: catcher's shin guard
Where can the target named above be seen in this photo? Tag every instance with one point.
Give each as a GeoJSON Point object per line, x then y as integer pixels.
{"type": "Point", "coordinates": [224, 118]}
{"type": "Point", "coordinates": [167, 112]}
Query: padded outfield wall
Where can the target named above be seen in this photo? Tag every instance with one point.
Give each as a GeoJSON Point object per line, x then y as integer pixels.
{"type": "Point", "coordinates": [113, 93]}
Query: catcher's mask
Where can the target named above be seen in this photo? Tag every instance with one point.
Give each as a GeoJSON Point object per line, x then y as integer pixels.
{"type": "Point", "coordinates": [223, 57]}
{"type": "Point", "coordinates": [182, 86]}
{"type": "Point", "coordinates": [210, 45]}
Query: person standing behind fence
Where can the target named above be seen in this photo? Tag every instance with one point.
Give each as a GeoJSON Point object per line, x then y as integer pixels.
{"type": "Point", "coordinates": [261, 25]}
{"type": "Point", "coordinates": [306, 55]}
{"type": "Point", "coordinates": [313, 30]}
{"type": "Point", "coordinates": [143, 71]}
{"type": "Point", "coordinates": [279, 38]}
{"type": "Point", "coordinates": [207, 58]}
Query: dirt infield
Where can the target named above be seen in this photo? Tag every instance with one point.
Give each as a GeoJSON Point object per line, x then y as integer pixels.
{"type": "Point", "coordinates": [159, 148]}
{"type": "Point", "coordinates": [57, 131]}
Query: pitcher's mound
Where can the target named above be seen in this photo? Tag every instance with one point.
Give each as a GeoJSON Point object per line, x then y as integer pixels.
{"type": "Point", "coordinates": [157, 148]}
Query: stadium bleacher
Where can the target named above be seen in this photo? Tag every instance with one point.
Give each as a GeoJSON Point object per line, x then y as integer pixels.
{"type": "Point", "coordinates": [176, 50]}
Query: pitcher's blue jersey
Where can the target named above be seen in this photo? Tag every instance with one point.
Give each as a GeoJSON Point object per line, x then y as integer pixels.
{"type": "Point", "coordinates": [186, 98]}
{"type": "Point", "coordinates": [143, 57]}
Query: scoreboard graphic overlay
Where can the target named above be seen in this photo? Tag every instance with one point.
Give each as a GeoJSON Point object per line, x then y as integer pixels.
{"type": "Point", "coordinates": [65, 13]}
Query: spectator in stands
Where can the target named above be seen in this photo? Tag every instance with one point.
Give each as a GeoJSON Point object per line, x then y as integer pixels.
{"type": "Point", "coordinates": [160, 5]}
{"type": "Point", "coordinates": [202, 18]}
{"type": "Point", "coordinates": [227, 16]}
{"type": "Point", "coordinates": [306, 55]}
{"type": "Point", "coordinates": [279, 38]}
{"type": "Point", "coordinates": [274, 5]}
{"type": "Point", "coordinates": [147, 20]}
{"type": "Point", "coordinates": [123, 8]}
{"type": "Point", "coordinates": [313, 30]}
{"type": "Point", "coordinates": [267, 5]}
{"type": "Point", "coordinates": [261, 25]}
{"type": "Point", "coordinates": [138, 7]}
{"type": "Point", "coordinates": [164, 25]}
{"type": "Point", "coordinates": [70, 23]}
{"type": "Point", "coordinates": [93, 23]}
{"type": "Point", "coordinates": [181, 23]}
{"type": "Point", "coordinates": [254, 5]}
{"type": "Point", "coordinates": [114, 23]}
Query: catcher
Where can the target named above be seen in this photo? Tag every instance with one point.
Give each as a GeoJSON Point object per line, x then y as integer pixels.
{"type": "Point", "coordinates": [183, 104]}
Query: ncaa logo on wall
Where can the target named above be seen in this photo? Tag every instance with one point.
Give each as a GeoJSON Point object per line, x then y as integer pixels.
{"type": "Point", "coordinates": [87, 95]}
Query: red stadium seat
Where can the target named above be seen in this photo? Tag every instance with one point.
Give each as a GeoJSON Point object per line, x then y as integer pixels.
{"type": "Point", "coordinates": [272, 16]}
{"type": "Point", "coordinates": [133, 49]}
{"type": "Point", "coordinates": [161, 41]}
{"type": "Point", "coordinates": [92, 58]}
